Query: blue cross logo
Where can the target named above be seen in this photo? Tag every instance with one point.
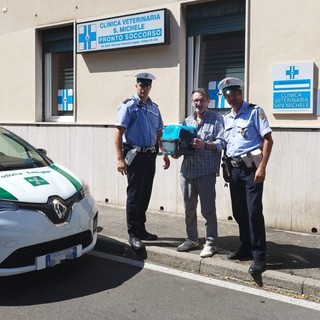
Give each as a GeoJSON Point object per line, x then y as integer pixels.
{"type": "Point", "coordinates": [65, 100]}
{"type": "Point", "coordinates": [87, 38]}
{"type": "Point", "coordinates": [292, 72]}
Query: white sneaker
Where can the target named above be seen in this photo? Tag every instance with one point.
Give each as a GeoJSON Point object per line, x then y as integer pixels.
{"type": "Point", "coordinates": [187, 245]}
{"type": "Point", "coordinates": [208, 249]}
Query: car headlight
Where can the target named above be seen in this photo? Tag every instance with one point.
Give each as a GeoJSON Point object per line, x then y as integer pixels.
{"type": "Point", "coordinates": [8, 206]}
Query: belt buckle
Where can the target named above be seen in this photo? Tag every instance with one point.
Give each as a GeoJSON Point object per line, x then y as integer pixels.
{"type": "Point", "coordinates": [151, 150]}
{"type": "Point", "coordinates": [138, 149]}
{"type": "Point", "coordinates": [235, 164]}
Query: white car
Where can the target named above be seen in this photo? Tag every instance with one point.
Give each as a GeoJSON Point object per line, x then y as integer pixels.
{"type": "Point", "coordinates": [46, 215]}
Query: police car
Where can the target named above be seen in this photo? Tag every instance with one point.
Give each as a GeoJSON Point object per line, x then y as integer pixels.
{"type": "Point", "coordinates": [46, 215]}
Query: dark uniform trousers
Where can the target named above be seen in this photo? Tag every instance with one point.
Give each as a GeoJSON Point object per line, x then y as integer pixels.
{"type": "Point", "coordinates": [140, 180]}
{"type": "Point", "coordinates": [246, 198]}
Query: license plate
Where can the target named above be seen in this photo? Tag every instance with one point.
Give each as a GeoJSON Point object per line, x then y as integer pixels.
{"type": "Point", "coordinates": [54, 258]}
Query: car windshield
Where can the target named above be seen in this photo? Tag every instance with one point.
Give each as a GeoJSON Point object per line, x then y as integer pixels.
{"type": "Point", "coordinates": [16, 154]}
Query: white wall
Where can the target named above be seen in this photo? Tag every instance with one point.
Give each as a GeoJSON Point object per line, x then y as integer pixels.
{"type": "Point", "coordinates": [281, 32]}
{"type": "Point", "coordinates": [291, 197]}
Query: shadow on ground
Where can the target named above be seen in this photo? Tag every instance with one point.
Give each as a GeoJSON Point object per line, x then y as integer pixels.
{"type": "Point", "coordinates": [70, 280]}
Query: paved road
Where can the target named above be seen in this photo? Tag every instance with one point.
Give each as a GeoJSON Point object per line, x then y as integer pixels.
{"type": "Point", "coordinates": [94, 287]}
{"type": "Point", "coordinates": [293, 259]}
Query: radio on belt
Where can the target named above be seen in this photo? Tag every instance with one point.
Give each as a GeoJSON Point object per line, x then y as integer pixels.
{"type": "Point", "coordinates": [176, 139]}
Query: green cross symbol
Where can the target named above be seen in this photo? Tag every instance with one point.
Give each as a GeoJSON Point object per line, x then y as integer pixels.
{"type": "Point", "coordinates": [36, 181]}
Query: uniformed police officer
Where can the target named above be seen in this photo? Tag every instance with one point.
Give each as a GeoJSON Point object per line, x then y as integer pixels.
{"type": "Point", "coordinates": [137, 141]}
{"type": "Point", "coordinates": [249, 144]}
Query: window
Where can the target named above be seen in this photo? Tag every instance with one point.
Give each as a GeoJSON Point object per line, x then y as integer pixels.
{"type": "Point", "coordinates": [216, 46]}
{"type": "Point", "coordinates": [221, 56]}
{"type": "Point", "coordinates": [16, 154]}
{"type": "Point", "coordinates": [58, 74]}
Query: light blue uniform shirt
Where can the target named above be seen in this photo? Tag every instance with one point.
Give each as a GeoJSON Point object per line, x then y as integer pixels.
{"type": "Point", "coordinates": [244, 132]}
{"type": "Point", "coordinates": [142, 122]}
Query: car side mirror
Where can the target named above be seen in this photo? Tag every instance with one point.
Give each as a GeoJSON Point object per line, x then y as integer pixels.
{"type": "Point", "coordinates": [43, 151]}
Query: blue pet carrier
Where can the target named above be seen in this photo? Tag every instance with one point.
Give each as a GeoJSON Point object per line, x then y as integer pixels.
{"type": "Point", "coordinates": [176, 139]}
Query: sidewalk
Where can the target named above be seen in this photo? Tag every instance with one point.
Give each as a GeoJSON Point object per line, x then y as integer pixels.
{"type": "Point", "coordinates": [293, 259]}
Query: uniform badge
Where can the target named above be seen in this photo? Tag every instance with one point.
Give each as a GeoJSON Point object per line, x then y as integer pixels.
{"type": "Point", "coordinates": [262, 116]}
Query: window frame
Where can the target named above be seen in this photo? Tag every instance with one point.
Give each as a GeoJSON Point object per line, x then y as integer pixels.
{"type": "Point", "coordinates": [206, 19]}
{"type": "Point", "coordinates": [47, 81]}
{"type": "Point", "coordinates": [48, 117]}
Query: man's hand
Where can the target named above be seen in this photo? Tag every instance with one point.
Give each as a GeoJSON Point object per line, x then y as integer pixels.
{"type": "Point", "coordinates": [166, 161]}
{"type": "Point", "coordinates": [176, 156]}
{"type": "Point", "coordinates": [198, 143]}
{"type": "Point", "coordinates": [122, 167]}
{"type": "Point", "coordinates": [260, 175]}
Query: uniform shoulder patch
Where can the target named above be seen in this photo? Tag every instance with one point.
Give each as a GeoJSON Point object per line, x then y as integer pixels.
{"type": "Point", "coordinates": [125, 101]}
{"type": "Point", "coordinates": [261, 116]}
{"type": "Point", "coordinates": [260, 111]}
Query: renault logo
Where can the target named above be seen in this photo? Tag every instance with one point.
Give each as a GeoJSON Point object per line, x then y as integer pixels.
{"type": "Point", "coordinates": [59, 208]}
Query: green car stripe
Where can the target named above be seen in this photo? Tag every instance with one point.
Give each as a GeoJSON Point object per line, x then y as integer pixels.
{"type": "Point", "coordinates": [75, 182]}
{"type": "Point", "coordinates": [5, 195]}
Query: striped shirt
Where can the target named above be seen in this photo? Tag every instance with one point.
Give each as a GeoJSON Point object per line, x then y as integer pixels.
{"type": "Point", "coordinates": [203, 162]}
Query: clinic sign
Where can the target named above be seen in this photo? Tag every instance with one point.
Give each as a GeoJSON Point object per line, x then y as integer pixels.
{"type": "Point", "coordinates": [292, 88]}
{"type": "Point", "coordinates": [141, 29]}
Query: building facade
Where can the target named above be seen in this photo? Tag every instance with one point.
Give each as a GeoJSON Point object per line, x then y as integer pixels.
{"type": "Point", "coordinates": [67, 65]}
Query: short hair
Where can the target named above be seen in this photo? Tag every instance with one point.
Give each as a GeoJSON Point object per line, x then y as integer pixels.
{"type": "Point", "coordinates": [202, 91]}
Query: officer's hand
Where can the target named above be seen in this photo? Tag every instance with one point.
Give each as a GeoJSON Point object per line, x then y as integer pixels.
{"type": "Point", "coordinates": [260, 175]}
{"type": "Point", "coordinates": [166, 162]}
{"type": "Point", "coordinates": [122, 167]}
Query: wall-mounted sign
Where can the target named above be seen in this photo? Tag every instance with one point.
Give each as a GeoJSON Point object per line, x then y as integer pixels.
{"type": "Point", "coordinates": [141, 29]}
{"type": "Point", "coordinates": [292, 88]}
{"type": "Point", "coordinates": [65, 100]}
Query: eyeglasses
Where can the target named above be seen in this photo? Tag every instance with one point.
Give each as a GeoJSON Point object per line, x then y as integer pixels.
{"type": "Point", "coordinates": [199, 100]}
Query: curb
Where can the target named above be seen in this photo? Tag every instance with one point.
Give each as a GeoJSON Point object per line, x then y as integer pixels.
{"type": "Point", "coordinates": [216, 267]}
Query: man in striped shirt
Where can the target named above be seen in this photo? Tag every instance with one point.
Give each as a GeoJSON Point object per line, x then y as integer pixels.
{"type": "Point", "coordinates": [198, 173]}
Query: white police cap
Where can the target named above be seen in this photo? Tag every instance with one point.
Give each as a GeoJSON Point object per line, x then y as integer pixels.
{"type": "Point", "coordinates": [145, 77]}
{"type": "Point", "coordinates": [230, 83]}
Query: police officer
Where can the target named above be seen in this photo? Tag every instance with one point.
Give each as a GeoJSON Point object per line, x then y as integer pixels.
{"type": "Point", "coordinates": [249, 144]}
{"type": "Point", "coordinates": [137, 141]}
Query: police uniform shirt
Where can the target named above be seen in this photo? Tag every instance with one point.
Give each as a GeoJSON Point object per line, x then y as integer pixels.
{"type": "Point", "coordinates": [142, 122]}
{"type": "Point", "coordinates": [244, 132]}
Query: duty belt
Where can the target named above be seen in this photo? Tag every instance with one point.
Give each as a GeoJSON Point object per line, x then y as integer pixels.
{"type": "Point", "coordinates": [141, 149]}
{"type": "Point", "coordinates": [145, 149]}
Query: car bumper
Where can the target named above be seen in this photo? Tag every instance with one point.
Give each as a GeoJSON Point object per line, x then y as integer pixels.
{"type": "Point", "coordinates": [26, 235]}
